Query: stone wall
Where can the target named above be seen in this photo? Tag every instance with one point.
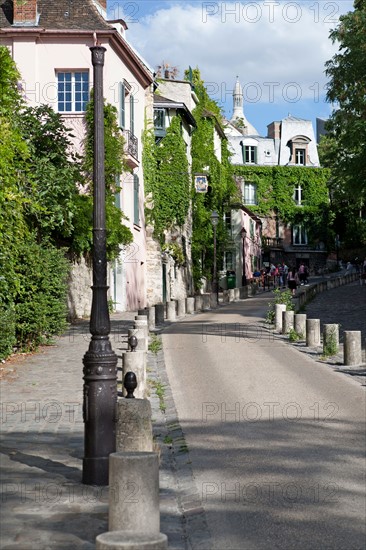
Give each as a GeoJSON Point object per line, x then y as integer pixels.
{"type": "Point", "coordinates": [79, 298]}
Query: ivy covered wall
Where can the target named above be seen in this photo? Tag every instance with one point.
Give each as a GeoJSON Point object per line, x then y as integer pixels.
{"type": "Point", "coordinates": [275, 186]}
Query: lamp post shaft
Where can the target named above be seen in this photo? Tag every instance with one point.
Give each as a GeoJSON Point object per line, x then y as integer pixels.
{"type": "Point", "coordinates": [216, 288]}
{"type": "Point", "coordinates": [100, 361]}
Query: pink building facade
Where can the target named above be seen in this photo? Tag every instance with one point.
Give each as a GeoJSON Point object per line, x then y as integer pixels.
{"type": "Point", "coordinates": [49, 41]}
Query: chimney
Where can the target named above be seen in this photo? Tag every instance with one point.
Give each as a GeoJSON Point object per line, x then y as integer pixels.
{"type": "Point", "coordinates": [103, 4]}
{"type": "Point", "coordinates": [274, 130]}
{"type": "Point", "coordinates": [25, 12]}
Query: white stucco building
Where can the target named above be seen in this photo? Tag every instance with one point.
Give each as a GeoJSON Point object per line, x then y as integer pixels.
{"type": "Point", "coordinates": [49, 41]}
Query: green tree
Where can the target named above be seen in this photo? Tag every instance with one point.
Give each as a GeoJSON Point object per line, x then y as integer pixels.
{"type": "Point", "coordinates": [343, 149]}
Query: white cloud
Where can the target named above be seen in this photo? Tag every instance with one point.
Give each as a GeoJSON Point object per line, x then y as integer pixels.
{"type": "Point", "coordinates": [262, 42]}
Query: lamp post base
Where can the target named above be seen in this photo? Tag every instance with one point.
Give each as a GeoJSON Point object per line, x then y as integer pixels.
{"type": "Point", "coordinates": [95, 471]}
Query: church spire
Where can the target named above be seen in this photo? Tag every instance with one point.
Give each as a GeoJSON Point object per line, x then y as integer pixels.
{"type": "Point", "coordinates": [238, 103]}
{"type": "Point", "coordinates": [238, 119]}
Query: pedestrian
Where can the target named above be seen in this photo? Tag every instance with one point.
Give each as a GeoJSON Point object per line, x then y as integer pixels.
{"type": "Point", "coordinates": [284, 274]}
{"type": "Point", "coordinates": [292, 280]}
{"type": "Point", "coordinates": [301, 273]}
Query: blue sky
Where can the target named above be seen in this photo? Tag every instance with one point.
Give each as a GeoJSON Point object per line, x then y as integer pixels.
{"type": "Point", "coordinates": [277, 48]}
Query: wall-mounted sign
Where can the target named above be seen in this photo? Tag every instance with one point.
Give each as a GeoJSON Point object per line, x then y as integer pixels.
{"type": "Point", "coordinates": [200, 183]}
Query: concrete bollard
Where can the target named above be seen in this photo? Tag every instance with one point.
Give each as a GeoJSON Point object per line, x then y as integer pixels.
{"type": "Point", "coordinates": [243, 292]}
{"type": "Point", "coordinates": [141, 331]}
{"type": "Point", "coordinates": [135, 361]}
{"type": "Point", "coordinates": [134, 492]}
{"type": "Point", "coordinates": [330, 339]}
{"type": "Point", "coordinates": [206, 303]}
{"type": "Point", "coordinates": [225, 296]}
{"type": "Point", "coordinates": [231, 292]}
{"type": "Point", "coordinates": [142, 341]}
{"type": "Point", "coordinates": [300, 325]}
{"type": "Point", "coordinates": [198, 302]}
{"type": "Point", "coordinates": [352, 351]}
{"type": "Point", "coordinates": [181, 307]}
{"type": "Point", "coordinates": [190, 305]}
{"type": "Point", "coordinates": [151, 318]}
{"type": "Point", "coordinates": [134, 427]}
{"type": "Point", "coordinates": [312, 332]}
{"type": "Point", "coordinates": [129, 540]}
{"type": "Point", "coordinates": [213, 300]}
{"type": "Point", "coordinates": [159, 314]}
{"type": "Point", "coordinates": [287, 321]}
{"type": "Point", "coordinates": [171, 310]}
{"type": "Point", "coordinates": [236, 294]}
{"type": "Point", "coordinates": [279, 308]}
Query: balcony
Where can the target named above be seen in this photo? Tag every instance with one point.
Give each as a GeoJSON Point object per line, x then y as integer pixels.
{"type": "Point", "coordinates": [131, 149]}
{"type": "Point", "coordinates": [272, 242]}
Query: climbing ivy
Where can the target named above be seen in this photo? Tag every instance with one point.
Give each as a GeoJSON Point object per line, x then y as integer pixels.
{"type": "Point", "coordinates": [275, 190]}
{"type": "Point", "coordinates": [222, 189]}
{"type": "Point", "coordinates": [167, 182]}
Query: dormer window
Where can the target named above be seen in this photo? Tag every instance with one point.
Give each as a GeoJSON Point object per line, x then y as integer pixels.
{"type": "Point", "coordinates": [300, 156]}
{"type": "Point", "coordinates": [250, 154]}
{"type": "Point", "coordinates": [299, 150]}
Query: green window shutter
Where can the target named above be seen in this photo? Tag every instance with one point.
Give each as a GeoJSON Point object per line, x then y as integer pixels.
{"type": "Point", "coordinates": [136, 210]}
{"type": "Point", "coordinates": [132, 115]}
{"type": "Point", "coordinates": [122, 106]}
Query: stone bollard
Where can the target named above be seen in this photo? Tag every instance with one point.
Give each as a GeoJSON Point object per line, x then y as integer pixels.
{"type": "Point", "coordinates": [142, 332]}
{"type": "Point", "coordinates": [330, 339]}
{"type": "Point", "coordinates": [129, 540]}
{"type": "Point", "coordinates": [142, 341]}
{"type": "Point", "coordinates": [300, 325]}
{"type": "Point", "coordinates": [206, 304]}
{"type": "Point", "coordinates": [236, 294]}
{"type": "Point", "coordinates": [198, 302]}
{"type": "Point", "coordinates": [225, 296]}
{"type": "Point", "coordinates": [190, 305]}
{"type": "Point", "coordinates": [231, 292]}
{"type": "Point", "coordinates": [171, 310]}
{"type": "Point", "coordinates": [134, 492]}
{"type": "Point", "coordinates": [243, 292]}
{"type": "Point", "coordinates": [287, 321]}
{"type": "Point", "coordinates": [352, 351]}
{"type": "Point", "coordinates": [213, 300]}
{"type": "Point", "coordinates": [134, 426]}
{"type": "Point", "coordinates": [135, 361]}
{"type": "Point", "coordinates": [312, 332]}
{"type": "Point", "coordinates": [279, 308]}
{"type": "Point", "coordinates": [159, 314]}
{"type": "Point", "coordinates": [181, 307]}
{"type": "Point", "coordinates": [151, 318]}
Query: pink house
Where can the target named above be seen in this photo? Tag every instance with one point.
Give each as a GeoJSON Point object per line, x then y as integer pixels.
{"type": "Point", "coordinates": [49, 41]}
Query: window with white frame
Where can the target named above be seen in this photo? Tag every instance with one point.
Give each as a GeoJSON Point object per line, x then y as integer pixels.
{"type": "Point", "coordinates": [300, 157]}
{"type": "Point", "coordinates": [72, 91]}
{"type": "Point", "coordinates": [299, 235]}
{"type": "Point", "coordinates": [298, 195]}
{"type": "Point", "coordinates": [250, 193]}
{"type": "Point", "coordinates": [250, 154]}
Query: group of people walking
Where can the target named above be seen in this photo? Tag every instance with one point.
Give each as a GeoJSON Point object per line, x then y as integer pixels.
{"type": "Point", "coordinates": [281, 276]}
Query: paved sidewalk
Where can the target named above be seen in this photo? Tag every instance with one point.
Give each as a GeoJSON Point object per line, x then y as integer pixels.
{"type": "Point", "coordinates": [44, 504]}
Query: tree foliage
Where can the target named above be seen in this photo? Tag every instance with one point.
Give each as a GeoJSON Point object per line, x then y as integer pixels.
{"type": "Point", "coordinates": [346, 88]}
{"type": "Point", "coordinates": [343, 149]}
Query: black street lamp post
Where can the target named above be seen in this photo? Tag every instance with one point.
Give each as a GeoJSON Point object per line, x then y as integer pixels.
{"type": "Point", "coordinates": [244, 279]}
{"type": "Point", "coordinates": [215, 221]}
{"type": "Point", "coordinates": [100, 361]}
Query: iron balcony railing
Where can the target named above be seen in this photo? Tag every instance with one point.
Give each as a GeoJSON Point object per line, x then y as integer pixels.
{"type": "Point", "coordinates": [131, 146]}
{"type": "Point", "coordinates": [272, 242]}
